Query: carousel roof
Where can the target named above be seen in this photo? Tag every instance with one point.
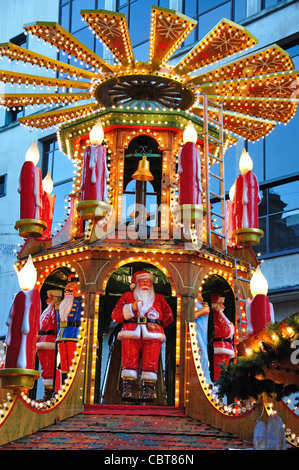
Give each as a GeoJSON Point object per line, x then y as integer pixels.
{"type": "Point", "coordinates": [257, 88]}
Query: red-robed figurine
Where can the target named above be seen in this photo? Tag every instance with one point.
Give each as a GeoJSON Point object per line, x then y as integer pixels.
{"type": "Point", "coordinates": [46, 342]}
{"type": "Point", "coordinates": [70, 310]}
{"type": "Point", "coordinates": [223, 335]}
{"type": "Point", "coordinates": [144, 315]}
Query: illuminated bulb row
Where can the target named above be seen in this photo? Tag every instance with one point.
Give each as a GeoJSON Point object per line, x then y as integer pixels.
{"type": "Point", "coordinates": [178, 351]}
{"type": "Point", "coordinates": [94, 348]}
{"type": "Point", "coordinates": [214, 400]}
{"type": "Point", "coordinates": [6, 407]}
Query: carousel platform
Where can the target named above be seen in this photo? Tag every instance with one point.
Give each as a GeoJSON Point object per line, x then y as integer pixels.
{"type": "Point", "coordinates": [129, 428]}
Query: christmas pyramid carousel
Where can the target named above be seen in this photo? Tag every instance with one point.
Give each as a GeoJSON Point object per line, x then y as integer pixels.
{"type": "Point", "coordinates": [148, 205]}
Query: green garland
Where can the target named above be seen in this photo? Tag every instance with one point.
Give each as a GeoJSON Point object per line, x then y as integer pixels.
{"type": "Point", "coordinates": [239, 377]}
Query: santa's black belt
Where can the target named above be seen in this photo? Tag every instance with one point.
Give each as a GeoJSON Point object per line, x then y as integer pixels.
{"type": "Point", "coordinates": [227, 340]}
{"type": "Point", "coordinates": [143, 321]}
{"type": "Point", "coordinates": [74, 323]}
{"type": "Point", "coordinates": [46, 332]}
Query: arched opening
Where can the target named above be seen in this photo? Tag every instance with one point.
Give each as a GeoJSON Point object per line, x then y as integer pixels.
{"type": "Point", "coordinates": [108, 379]}
{"type": "Point", "coordinates": [138, 147]}
{"type": "Point", "coordinates": [216, 284]}
{"type": "Point", "coordinates": [60, 321]}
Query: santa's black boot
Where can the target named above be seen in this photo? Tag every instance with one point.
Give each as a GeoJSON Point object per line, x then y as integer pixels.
{"type": "Point", "coordinates": [149, 390]}
{"type": "Point", "coordinates": [128, 393]}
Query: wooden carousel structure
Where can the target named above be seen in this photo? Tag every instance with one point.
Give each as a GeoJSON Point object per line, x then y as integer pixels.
{"type": "Point", "coordinates": [131, 208]}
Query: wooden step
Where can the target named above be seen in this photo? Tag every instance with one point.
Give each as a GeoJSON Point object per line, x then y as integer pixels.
{"type": "Point", "coordinates": [134, 410]}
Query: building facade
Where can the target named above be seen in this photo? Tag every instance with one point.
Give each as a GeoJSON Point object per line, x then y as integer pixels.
{"type": "Point", "coordinates": [275, 157]}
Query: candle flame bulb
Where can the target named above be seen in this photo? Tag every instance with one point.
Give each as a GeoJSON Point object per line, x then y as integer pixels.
{"type": "Point", "coordinates": [190, 134]}
{"type": "Point", "coordinates": [245, 163]}
{"type": "Point", "coordinates": [258, 283]}
{"type": "Point", "coordinates": [96, 134]}
{"type": "Point", "coordinates": [48, 183]}
{"type": "Point", "coordinates": [27, 276]}
{"type": "Point", "coordinates": [32, 154]}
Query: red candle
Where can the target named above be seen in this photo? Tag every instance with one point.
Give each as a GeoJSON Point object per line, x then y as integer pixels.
{"type": "Point", "coordinates": [48, 203]}
{"type": "Point", "coordinates": [30, 189]}
{"type": "Point", "coordinates": [30, 186]}
{"type": "Point", "coordinates": [259, 311]}
{"type": "Point", "coordinates": [23, 325]}
{"type": "Point", "coordinates": [190, 188]}
{"type": "Point", "coordinates": [246, 195]}
{"type": "Point", "coordinates": [94, 174]}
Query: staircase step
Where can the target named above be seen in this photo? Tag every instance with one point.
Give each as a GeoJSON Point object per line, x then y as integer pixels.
{"type": "Point", "coordinates": [141, 410]}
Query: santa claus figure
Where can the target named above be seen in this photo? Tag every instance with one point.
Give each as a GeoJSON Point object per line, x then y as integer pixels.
{"type": "Point", "coordinates": [144, 315]}
{"type": "Point", "coordinates": [69, 324]}
{"type": "Point", "coordinates": [46, 346]}
{"type": "Point", "coordinates": [223, 335]}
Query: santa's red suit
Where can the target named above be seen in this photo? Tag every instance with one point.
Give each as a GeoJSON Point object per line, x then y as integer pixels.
{"type": "Point", "coordinates": [223, 335]}
{"type": "Point", "coordinates": [46, 342]}
{"type": "Point", "coordinates": [23, 326]}
{"type": "Point", "coordinates": [142, 332]}
{"type": "Point", "coordinates": [189, 171]}
{"type": "Point", "coordinates": [94, 174]}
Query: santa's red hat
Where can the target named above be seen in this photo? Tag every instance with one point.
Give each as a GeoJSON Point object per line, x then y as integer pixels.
{"type": "Point", "coordinates": [140, 275]}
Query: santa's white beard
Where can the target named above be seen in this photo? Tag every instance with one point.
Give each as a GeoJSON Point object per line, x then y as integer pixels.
{"type": "Point", "coordinates": [66, 306]}
{"type": "Point", "coordinates": [147, 295]}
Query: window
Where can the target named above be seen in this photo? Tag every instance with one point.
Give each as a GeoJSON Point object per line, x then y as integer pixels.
{"type": "Point", "coordinates": [279, 218]}
{"type": "Point", "coordinates": [12, 115]}
{"type": "Point", "coordinates": [61, 171]}
{"type": "Point", "coordinates": [209, 12]}
{"type": "Point", "coordinates": [20, 40]}
{"type": "Point", "coordinates": [3, 185]}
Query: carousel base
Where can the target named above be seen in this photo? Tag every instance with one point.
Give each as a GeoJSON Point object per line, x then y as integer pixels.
{"type": "Point", "coordinates": [247, 236]}
{"type": "Point", "coordinates": [18, 379]}
{"type": "Point", "coordinates": [30, 228]}
{"type": "Point", "coordinates": [93, 209]}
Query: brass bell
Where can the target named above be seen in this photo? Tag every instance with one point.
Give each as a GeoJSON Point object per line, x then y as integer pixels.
{"type": "Point", "coordinates": [143, 171]}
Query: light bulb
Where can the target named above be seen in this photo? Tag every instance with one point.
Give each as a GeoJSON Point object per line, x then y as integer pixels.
{"type": "Point", "coordinates": [190, 134]}
{"type": "Point", "coordinates": [32, 154]}
{"type": "Point", "coordinates": [48, 183]}
{"type": "Point", "coordinates": [258, 283]}
{"type": "Point", "coordinates": [96, 134]}
{"type": "Point", "coordinates": [27, 276]}
{"type": "Point", "coordinates": [245, 163]}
